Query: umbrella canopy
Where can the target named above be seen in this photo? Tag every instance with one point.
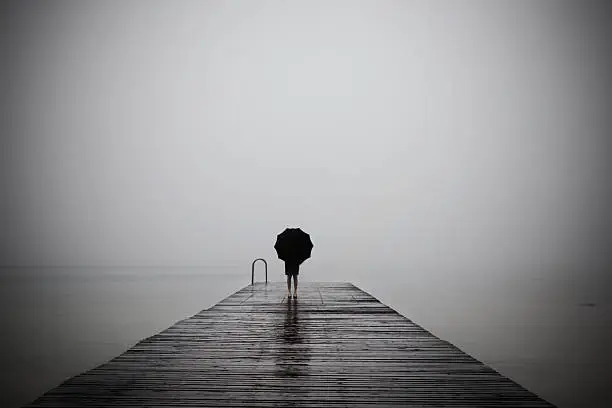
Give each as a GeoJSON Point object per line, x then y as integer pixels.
{"type": "Point", "coordinates": [293, 245]}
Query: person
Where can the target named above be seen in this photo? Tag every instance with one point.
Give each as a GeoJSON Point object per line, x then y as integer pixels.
{"type": "Point", "coordinates": [292, 269]}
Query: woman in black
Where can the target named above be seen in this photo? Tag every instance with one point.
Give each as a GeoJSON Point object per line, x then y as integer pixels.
{"type": "Point", "coordinates": [292, 269]}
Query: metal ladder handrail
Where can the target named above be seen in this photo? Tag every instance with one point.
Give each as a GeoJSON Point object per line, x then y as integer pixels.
{"type": "Point", "coordinates": [253, 270]}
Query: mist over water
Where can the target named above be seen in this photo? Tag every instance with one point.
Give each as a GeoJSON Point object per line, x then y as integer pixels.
{"type": "Point", "coordinates": [451, 158]}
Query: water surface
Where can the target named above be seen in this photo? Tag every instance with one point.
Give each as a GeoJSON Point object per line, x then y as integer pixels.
{"type": "Point", "coordinates": [551, 338]}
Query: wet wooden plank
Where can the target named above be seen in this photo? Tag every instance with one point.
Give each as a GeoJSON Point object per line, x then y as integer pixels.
{"type": "Point", "coordinates": [334, 346]}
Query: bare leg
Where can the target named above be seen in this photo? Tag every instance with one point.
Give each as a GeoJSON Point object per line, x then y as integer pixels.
{"type": "Point", "coordinates": [295, 285]}
{"type": "Point", "coordinates": [288, 286]}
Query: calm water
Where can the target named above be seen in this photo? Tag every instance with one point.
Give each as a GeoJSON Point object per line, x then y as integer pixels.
{"type": "Point", "coordinates": [552, 339]}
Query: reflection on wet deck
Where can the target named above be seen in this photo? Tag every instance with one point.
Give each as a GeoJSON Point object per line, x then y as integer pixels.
{"type": "Point", "coordinates": [333, 346]}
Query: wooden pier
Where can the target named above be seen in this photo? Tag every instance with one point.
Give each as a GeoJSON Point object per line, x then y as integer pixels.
{"type": "Point", "coordinates": [335, 345]}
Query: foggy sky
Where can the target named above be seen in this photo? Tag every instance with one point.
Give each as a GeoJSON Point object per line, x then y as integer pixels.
{"type": "Point", "coordinates": [419, 134]}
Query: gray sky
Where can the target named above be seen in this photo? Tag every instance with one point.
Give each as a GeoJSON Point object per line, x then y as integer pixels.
{"type": "Point", "coordinates": [418, 134]}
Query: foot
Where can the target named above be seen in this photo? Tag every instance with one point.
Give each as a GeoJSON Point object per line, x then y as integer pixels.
{"type": "Point", "coordinates": [288, 295]}
{"type": "Point", "coordinates": [295, 295]}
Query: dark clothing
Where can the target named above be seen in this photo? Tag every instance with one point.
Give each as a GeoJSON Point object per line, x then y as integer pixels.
{"type": "Point", "coordinates": [292, 268]}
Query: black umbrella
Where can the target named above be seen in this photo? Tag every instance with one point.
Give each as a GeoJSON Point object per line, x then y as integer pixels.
{"type": "Point", "coordinates": [293, 244]}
